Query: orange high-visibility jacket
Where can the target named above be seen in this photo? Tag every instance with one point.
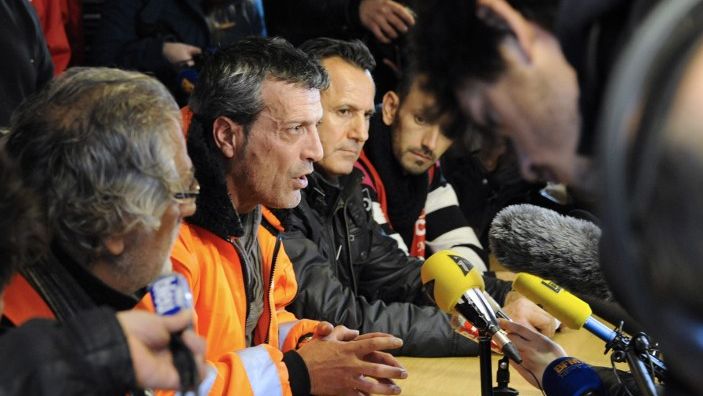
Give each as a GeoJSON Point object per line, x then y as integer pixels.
{"type": "Point", "coordinates": [213, 269]}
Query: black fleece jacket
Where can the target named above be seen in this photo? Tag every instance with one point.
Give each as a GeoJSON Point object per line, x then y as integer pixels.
{"type": "Point", "coordinates": [349, 272]}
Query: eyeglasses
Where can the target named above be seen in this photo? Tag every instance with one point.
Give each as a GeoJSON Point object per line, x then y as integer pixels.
{"type": "Point", "coordinates": [189, 196]}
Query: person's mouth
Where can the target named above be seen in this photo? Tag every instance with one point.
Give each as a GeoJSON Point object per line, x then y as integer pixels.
{"type": "Point", "coordinates": [301, 181]}
{"type": "Point", "coordinates": [422, 155]}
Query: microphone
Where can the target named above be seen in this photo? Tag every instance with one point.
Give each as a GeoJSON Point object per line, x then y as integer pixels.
{"type": "Point", "coordinates": [567, 376]}
{"type": "Point", "coordinates": [539, 241]}
{"type": "Point", "coordinates": [569, 309]}
{"type": "Point", "coordinates": [575, 314]}
{"type": "Point", "coordinates": [456, 286]}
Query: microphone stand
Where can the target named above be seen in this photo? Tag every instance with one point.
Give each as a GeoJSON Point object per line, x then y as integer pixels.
{"type": "Point", "coordinates": [503, 379]}
{"type": "Point", "coordinates": [484, 357]}
{"type": "Point", "coordinates": [637, 353]}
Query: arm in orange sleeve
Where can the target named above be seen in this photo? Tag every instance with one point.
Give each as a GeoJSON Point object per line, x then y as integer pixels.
{"type": "Point", "coordinates": [218, 300]}
{"type": "Point", "coordinates": [290, 329]}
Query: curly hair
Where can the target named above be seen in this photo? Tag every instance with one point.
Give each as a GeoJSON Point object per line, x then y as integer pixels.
{"type": "Point", "coordinates": [96, 146]}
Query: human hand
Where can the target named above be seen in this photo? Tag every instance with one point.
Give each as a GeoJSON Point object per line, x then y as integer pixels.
{"type": "Point", "coordinates": [148, 336]}
{"type": "Point", "coordinates": [523, 311]}
{"type": "Point", "coordinates": [536, 350]}
{"type": "Point", "coordinates": [386, 19]}
{"type": "Point", "coordinates": [180, 53]}
{"type": "Point", "coordinates": [325, 331]}
{"type": "Point", "coordinates": [340, 368]}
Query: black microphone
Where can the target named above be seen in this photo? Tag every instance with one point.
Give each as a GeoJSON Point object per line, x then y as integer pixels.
{"type": "Point", "coordinates": [539, 241]}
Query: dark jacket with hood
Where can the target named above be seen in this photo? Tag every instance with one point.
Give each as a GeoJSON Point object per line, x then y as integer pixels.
{"type": "Point", "coordinates": [350, 272]}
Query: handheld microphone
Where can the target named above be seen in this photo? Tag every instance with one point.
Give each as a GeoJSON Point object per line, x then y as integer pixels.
{"type": "Point", "coordinates": [569, 309]}
{"type": "Point", "coordinates": [170, 294]}
{"type": "Point", "coordinates": [457, 287]}
{"type": "Point", "coordinates": [528, 238]}
{"type": "Point", "coordinates": [567, 376]}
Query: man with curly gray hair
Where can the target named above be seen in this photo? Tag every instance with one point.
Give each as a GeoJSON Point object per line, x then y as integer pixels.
{"type": "Point", "coordinates": [104, 153]}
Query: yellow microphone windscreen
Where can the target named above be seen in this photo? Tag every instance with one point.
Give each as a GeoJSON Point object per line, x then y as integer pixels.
{"type": "Point", "coordinates": [563, 305]}
{"type": "Point", "coordinates": [447, 276]}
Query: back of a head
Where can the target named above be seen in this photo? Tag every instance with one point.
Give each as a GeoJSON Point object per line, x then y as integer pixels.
{"type": "Point", "coordinates": [97, 147]}
{"type": "Point", "coordinates": [652, 155]}
{"type": "Point", "coordinates": [20, 228]}
{"type": "Point", "coordinates": [452, 43]}
{"type": "Point", "coordinates": [229, 83]}
{"type": "Point", "coordinates": [354, 52]}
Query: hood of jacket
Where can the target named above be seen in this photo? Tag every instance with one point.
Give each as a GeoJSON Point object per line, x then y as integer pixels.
{"type": "Point", "coordinates": [215, 211]}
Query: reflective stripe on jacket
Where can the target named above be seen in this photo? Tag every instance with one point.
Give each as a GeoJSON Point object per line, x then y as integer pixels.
{"type": "Point", "coordinates": [213, 269]}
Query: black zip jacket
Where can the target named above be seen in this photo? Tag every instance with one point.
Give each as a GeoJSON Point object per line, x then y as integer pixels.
{"type": "Point", "coordinates": [349, 272]}
{"type": "Point", "coordinates": [86, 355]}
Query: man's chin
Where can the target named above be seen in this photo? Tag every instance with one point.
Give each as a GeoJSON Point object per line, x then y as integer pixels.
{"type": "Point", "coordinates": [291, 202]}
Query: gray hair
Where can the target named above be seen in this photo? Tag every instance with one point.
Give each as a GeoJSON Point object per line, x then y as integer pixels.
{"type": "Point", "coordinates": [96, 145]}
{"type": "Point", "coordinates": [230, 82]}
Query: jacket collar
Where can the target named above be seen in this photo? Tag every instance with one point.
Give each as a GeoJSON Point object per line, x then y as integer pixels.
{"type": "Point", "coordinates": [98, 292]}
{"type": "Point", "coordinates": [215, 211]}
{"type": "Point", "coordinates": [324, 197]}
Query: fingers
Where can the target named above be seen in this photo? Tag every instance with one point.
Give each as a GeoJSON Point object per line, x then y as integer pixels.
{"type": "Point", "coordinates": [378, 33]}
{"type": "Point", "coordinates": [342, 333]}
{"type": "Point", "coordinates": [386, 19]}
{"type": "Point", "coordinates": [400, 17]}
{"type": "Point", "coordinates": [383, 358]}
{"type": "Point", "coordinates": [197, 345]}
{"type": "Point", "coordinates": [370, 386]}
{"type": "Point", "coordinates": [404, 13]}
{"type": "Point", "coordinates": [518, 329]}
{"type": "Point", "coordinates": [372, 335]}
{"type": "Point", "coordinates": [323, 329]}
{"type": "Point", "coordinates": [178, 322]}
{"type": "Point", "coordinates": [194, 50]}
{"type": "Point", "coordinates": [391, 65]}
{"type": "Point", "coordinates": [366, 346]}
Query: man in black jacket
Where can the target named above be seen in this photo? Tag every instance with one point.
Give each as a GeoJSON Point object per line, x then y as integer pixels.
{"type": "Point", "coordinates": [348, 270]}
{"type": "Point", "coordinates": [116, 156]}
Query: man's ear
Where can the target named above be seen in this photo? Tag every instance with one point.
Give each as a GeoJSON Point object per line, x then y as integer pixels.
{"type": "Point", "coordinates": [522, 28]}
{"type": "Point", "coordinates": [228, 135]}
{"type": "Point", "coordinates": [115, 244]}
{"type": "Point", "coordinates": [389, 108]}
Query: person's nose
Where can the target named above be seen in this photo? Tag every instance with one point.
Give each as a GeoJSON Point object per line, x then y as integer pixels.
{"type": "Point", "coordinates": [430, 138]}
{"type": "Point", "coordinates": [313, 148]}
{"type": "Point", "coordinates": [359, 129]}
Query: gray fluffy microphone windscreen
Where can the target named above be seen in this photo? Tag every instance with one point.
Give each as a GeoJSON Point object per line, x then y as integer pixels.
{"type": "Point", "coordinates": [542, 242]}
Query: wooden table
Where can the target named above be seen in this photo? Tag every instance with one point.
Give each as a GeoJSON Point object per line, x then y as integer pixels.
{"type": "Point", "coordinates": [460, 376]}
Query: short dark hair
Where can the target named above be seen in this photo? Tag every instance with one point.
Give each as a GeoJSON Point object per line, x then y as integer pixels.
{"type": "Point", "coordinates": [352, 51]}
{"type": "Point", "coordinates": [452, 43]}
{"type": "Point", "coordinates": [230, 81]}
